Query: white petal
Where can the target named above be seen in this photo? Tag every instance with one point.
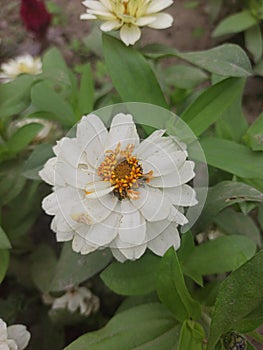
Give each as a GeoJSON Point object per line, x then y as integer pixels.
{"type": "Point", "coordinates": [50, 204]}
{"type": "Point", "coordinates": [129, 34]}
{"type": "Point", "coordinates": [107, 4]}
{"type": "Point", "coordinates": [145, 148]}
{"type": "Point", "coordinates": [177, 217]}
{"type": "Point", "coordinates": [122, 130]}
{"type": "Point", "coordinates": [87, 16]}
{"type": "Point", "coordinates": [144, 21]}
{"type": "Point", "coordinates": [103, 233]}
{"type": "Point", "coordinates": [182, 195]}
{"type": "Point", "coordinates": [168, 238]}
{"type": "Point", "coordinates": [19, 334]}
{"type": "Point", "coordinates": [3, 330]}
{"type": "Point", "coordinates": [68, 150]}
{"type": "Point", "coordinates": [94, 5]}
{"type": "Point", "coordinates": [158, 5]}
{"type": "Point", "coordinates": [64, 236]}
{"type": "Point", "coordinates": [182, 176]}
{"type": "Point", "coordinates": [153, 204]}
{"type": "Point", "coordinates": [48, 173]}
{"type": "Point", "coordinates": [163, 164]}
{"type": "Point", "coordinates": [154, 229]}
{"type": "Point", "coordinates": [110, 25]}
{"type": "Point", "coordinates": [98, 189]}
{"type": "Point", "coordinates": [87, 248]}
{"type": "Point", "coordinates": [132, 227]}
{"type": "Point", "coordinates": [77, 243]}
{"type": "Point", "coordinates": [118, 255]}
{"type": "Point", "coordinates": [129, 251]}
{"type": "Point", "coordinates": [92, 211]}
{"type": "Point", "coordinates": [92, 134]}
{"type": "Point", "coordinates": [162, 21]}
{"type": "Point", "coordinates": [6, 346]}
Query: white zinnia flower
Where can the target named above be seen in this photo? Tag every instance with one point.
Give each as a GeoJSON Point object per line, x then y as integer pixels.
{"type": "Point", "coordinates": [110, 190]}
{"type": "Point", "coordinates": [15, 337]}
{"type": "Point", "coordinates": [19, 65]}
{"type": "Point", "coordinates": [129, 16]}
{"type": "Point", "coordinates": [79, 298]}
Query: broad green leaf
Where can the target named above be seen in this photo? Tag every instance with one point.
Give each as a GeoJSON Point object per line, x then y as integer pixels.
{"type": "Point", "coordinates": [15, 95]}
{"type": "Point", "coordinates": [226, 253]}
{"type": "Point", "coordinates": [132, 277]}
{"type": "Point", "coordinates": [254, 42]}
{"type": "Point", "coordinates": [223, 195]}
{"type": "Point", "coordinates": [43, 266]}
{"type": "Point", "coordinates": [252, 321]}
{"type": "Point", "coordinates": [171, 288]}
{"type": "Point", "coordinates": [258, 69]}
{"type": "Point", "coordinates": [184, 77]}
{"type": "Point", "coordinates": [36, 161]}
{"type": "Point", "coordinates": [211, 104]}
{"type": "Point", "coordinates": [4, 262]}
{"type": "Point", "coordinates": [192, 336]}
{"type": "Point", "coordinates": [233, 222]}
{"type": "Point", "coordinates": [22, 137]}
{"type": "Point", "coordinates": [228, 60]}
{"type": "Point", "coordinates": [131, 74]}
{"type": "Point", "coordinates": [4, 241]}
{"type": "Point", "coordinates": [239, 294]}
{"type": "Point", "coordinates": [54, 67]}
{"type": "Point", "coordinates": [74, 268]}
{"type": "Point", "coordinates": [254, 135]}
{"type": "Point", "coordinates": [235, 24]}
{"type": "Point", "coordinates": [231, 157]}
{"type": "Point", "coordinates": [145, 327]}
{"type": "Point", "coordinates": [86, 92]}
{"type": "Point", "coordinates": [233, 123]}
{"type": "Point", "coordinates": [47, 100]}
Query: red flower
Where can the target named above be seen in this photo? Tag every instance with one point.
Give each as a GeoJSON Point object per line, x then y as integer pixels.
{"type": "Point", "coordinates": [35, 17]}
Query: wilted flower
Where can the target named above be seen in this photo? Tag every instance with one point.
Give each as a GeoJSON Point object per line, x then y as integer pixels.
{"type": "Point", "coordinates": [110, 190]}
{"type": "Point", "coordinates": [19, 65]}
{"type": "Point", "coordinates": [15, 337]}
{"type": "Point", "coordinates": [128, 16]}
{"type": "Point", "coordinates": [35, 17]}
{"type": "Point", "coordinates": [79, 298]}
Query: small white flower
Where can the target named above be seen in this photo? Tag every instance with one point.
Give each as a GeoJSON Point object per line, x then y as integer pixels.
{"type": "Point", "coordinates": [15, 337]}
{"type": "Point", "coordinates": [79, 298]}
{"type": "Point", "coordinates": [19, 65]}
{"type": "Point", "coordinates": [110, 190]}
{"type": "Point", "coordinates": [128, 16]}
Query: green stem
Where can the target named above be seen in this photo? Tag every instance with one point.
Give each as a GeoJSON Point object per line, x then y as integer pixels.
{"type": "Point", "coordinates": [256, 336]}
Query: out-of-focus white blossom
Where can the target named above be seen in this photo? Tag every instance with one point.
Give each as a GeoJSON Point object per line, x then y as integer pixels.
{"type": "Point", "coordinates": [15, 337]}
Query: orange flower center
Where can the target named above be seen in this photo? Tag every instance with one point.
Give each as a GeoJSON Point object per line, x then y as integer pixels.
{"type": "Point", "coordinates": [124, 172]}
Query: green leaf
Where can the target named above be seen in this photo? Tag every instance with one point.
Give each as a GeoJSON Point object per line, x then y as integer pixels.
{"type": "Point", "coordinates": [132, 277]}
{"type": "Point", "coordinates": [47, 100]}
{"type": "Point", "coordinates": [74, 268]}
{"type": "Point", "coordinates": [252, 321]}
{"type": "Point", "coordinates": [239, 294]}
{"type": "Point", "coordinates": [254, 135]}
{"type": "Point", "coordinates": [231, 157]}
{"type": "Point", "coordinates": [145, 327]}
{"type": "Point", "coordinates": [233, 222]}
{"type": "Point", "coordinates": [171, 288]}
{"type": "Point", "coordinates": [43, 266]}
{"type": "Point", "coordinates": [228, 60]}
{"type": "Point", "coordinates": [223, 195]}
{"type": "Point", "coordinates": [254, 42]}
{"type": "Point", "coordinates": [226, 253]}
{"type": "Point", "coordinates": [14, 103]}
{"type": "Point", "coordinates": [36, 161]}
{"type": "Point", "coordinates": [184, 77]}
{"type": "Point", "coordinates": [4, 241]}
{"type": "Point", "coordinates": [235, 24]}
{"type": "Point", "coordinates": [54, 67]}
{"type": "Point", "coordinates": [211, 104]}
{"type": "Point", "coordinates": [86, 92]}
{"type": "Point", "coordinates": [192, 336]}
{"type": "Point", "coordinates": [131, 74]}
{"type": "Point", "coordinates": [22, 137]}
{"type": "Point", "coordinates": [4, 262]}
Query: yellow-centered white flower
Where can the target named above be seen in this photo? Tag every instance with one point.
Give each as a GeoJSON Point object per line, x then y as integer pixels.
{"type": "Point", "coordinates": [15, 337]}
{"type": "Point", "coordinates": [78, 299]}
{"type": "Point", "coordinates": [25, 64]}
{"type": "Point", "coordinates": [111, 190]}
{"type": "Point", "coordinates": [128, 16]}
